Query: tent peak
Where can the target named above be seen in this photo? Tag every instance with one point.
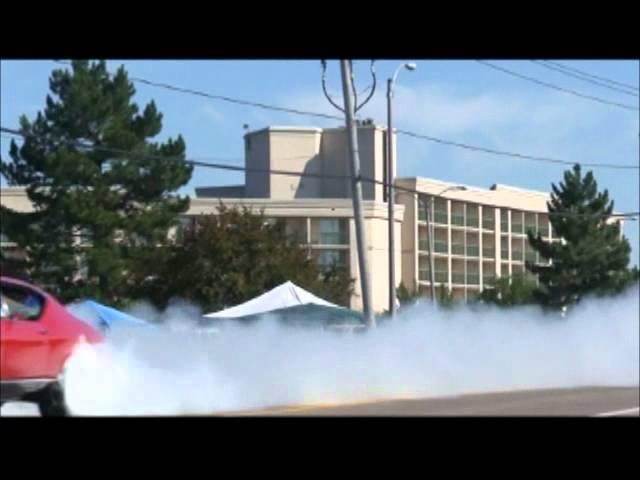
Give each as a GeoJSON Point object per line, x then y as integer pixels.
{"type": "Point", "coordinates": [284, 295]}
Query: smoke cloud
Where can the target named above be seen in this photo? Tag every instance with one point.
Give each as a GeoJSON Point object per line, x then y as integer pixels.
{"type": "Point", "coordinates": [426, 352]}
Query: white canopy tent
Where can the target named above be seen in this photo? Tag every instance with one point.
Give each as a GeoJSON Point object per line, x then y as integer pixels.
{"type": "Point", "coordinates": [286, 295]}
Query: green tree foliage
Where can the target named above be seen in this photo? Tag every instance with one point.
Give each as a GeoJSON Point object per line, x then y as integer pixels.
{"type": "Point", "coordinates": [594, 258]}
{"type": "Point", "coordinates": [97, 206]}
{"type": "Point", "coordinates": [445, 297]}
{"type": "Point", "coordinates": [228, 258]}
{"type": "Point", "coordinates": [406, 296]}
{"type": "Point", "coordinates": [509, 291]}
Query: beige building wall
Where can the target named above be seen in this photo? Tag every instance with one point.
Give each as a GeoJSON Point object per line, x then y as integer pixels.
{"type": "Point", "coordinates": [409, 240]}
{"type": "Point", "coordinates": [377, 251]}
{"type": "Point", "coordinates": [16, 199]}
{"type": "Point", "coordinates": [312, 151]}
{"type": "Point", "coordinates": [257, 148]}
{"type": "Point", "coordinates": [467, 235]}
{"type": "Point", "coordinates": [297, 151]}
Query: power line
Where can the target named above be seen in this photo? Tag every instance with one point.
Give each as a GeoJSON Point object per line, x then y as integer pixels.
{"type": "Point", "coordinates": [267, 171]}
{"type": "Point", "coordinates": [555, 87]}
{"type": "Point", "coordinates": [9, 137]}
{"type": "Point", "coordinates": [581, 72]}
{"type": "Point", "coordinates": [584, 79]}
{"type": "Point", "coordinates": [403, 132]}
{"type": "Point", "coordinates": [226, 98]}
{"type": "Point", "coordinates": [514, 154]}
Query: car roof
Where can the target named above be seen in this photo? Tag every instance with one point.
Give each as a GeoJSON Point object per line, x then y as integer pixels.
{"type": "Point", "coordinates": [22, 283]}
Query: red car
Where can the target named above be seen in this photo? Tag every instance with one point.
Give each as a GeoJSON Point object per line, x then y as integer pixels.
{"type": "Point", "coordinates": [37, 336]}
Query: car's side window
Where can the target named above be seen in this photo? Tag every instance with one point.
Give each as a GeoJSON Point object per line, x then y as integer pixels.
{"type": "Point", "coordinates": [20, 303]}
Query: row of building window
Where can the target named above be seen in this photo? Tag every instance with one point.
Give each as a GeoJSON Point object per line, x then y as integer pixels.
{"type": "Point", "coordinates": [324, 234]}
{"type": "Point", "coordinates": [519, 253]}
{"type": "Point", "coordinates": [521, 221]}
{"type": "Point", "coordinates": [469, 278]}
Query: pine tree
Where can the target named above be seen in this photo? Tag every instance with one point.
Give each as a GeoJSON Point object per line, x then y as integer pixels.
{"type": "Point", "coordinates": [96, 207]}
{"type": "Point", "coordinates": [446, 299]}
{"type": "Point", "coordinates": [593, 257]}
{"type": "Point", "coordinates": [509, 291]}
{"type": "Point", "coordinates": [406, 296]}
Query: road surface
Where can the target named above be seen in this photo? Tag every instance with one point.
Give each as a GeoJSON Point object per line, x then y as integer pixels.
{"type": "Point", "coordinates": [554, 402]}
{"type": "Point", "coordinates": [584, 402]}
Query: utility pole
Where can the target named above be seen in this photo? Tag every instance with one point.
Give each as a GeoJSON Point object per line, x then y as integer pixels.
{"type": "Point", "coordinates": [391, 200]}
{"type": "Point", "coordinates": [356, 190]}
{"type": "Point", "coordinates": [351, 107]}
{"type": "Point", "coordinates": [391, 203]}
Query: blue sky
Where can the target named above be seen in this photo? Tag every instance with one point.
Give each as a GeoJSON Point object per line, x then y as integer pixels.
{"type": "Point", "coordinates": [456, 100]}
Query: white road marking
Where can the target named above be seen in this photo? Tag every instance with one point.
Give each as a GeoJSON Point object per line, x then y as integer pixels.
{"type": "Point", "coordinates": [618, 412]}
{"type": "Point", "coordinates": [19, 409]}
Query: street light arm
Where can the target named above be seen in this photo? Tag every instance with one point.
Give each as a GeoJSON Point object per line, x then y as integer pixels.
{"type": "Point", "coordinates": [353, 88]}
{"type": "Point", "coordinates": [373, 87]}
{"type": "Point", "coordinates": [324, 86]}
{"type": "Point", "coordinates": [392, 80]}
{"type": "Point", "coordinates": [395, 77]}
{"type": "Point", "coordinates": [459, 188]}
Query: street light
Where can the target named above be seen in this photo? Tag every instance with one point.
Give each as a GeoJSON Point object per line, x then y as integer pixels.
{"type": "Point", "coordinates": [430, 234]}
{"type": "Point", "coordinates": [390, 194]}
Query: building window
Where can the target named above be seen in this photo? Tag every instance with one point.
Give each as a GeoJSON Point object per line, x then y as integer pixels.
{"type": "Point", "coordinates": [472, 219]}
{"type": "Point", "coordinates": [296, 229]}
{"type": "Point", "coordinates": [326, 259]}
{"type": "Point", "coordinates": [488, 222]}
{"type": "Point", "coordinates": [543, 225]}
{"type": "Point", "coordinates": [531, 255]}
{"type": "Point", "coordinates": [517, 222]}
{"type": "Point", "coordinates": [530, 223]}
{"type": "Point", "coordinates": [440, 211]}
{"type": "Point", "coordinates": [329, 231]}
{"type": "Point", "coordinates": [504, 221]}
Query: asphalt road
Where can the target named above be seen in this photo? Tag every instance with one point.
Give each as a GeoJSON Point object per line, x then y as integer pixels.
{"type": "Point", "coordinates": [584, 402]}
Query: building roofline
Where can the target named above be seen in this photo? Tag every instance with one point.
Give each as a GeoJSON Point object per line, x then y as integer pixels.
{"type": "Point", "coordinates": [497, 187]}
{"type": "Point", "coordinates": [373, 126]}
{"type": "Point", "coordinates": [284, 128]}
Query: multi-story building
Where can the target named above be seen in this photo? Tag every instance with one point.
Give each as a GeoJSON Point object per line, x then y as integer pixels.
{"type": "Point", "coordinates": [319, 211]}
{"type": "Point", "coordinates": [478, 234]}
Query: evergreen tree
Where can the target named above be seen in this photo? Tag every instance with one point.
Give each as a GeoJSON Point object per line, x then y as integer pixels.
{"type": "Point", "coordinates": [233, 256]}
{"type": "Point", "coordinates": [507, 292]}
{"type": "Point", "coordinates": [102, 190]}
{"type": "Point", "coordinates": [593, 257]}
{"type": "Point", "coordinates": [405, 296]}
{"type": "Point", "coordinates": [445, 297]}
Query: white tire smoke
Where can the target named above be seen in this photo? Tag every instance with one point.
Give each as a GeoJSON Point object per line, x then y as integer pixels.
{"type": "Point", "coordinates": [425, 352]}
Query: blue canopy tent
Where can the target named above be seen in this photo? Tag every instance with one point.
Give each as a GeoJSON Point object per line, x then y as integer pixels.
{"type": "Point", "coordinates": [103, 317]}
